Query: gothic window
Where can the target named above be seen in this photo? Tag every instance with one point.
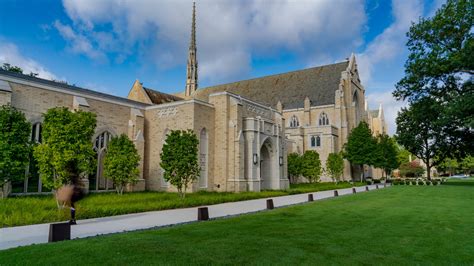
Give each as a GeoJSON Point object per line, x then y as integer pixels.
{"type": "Point", "coordinates": [32, 181]}
{"type": "Point", "coordinates": [36, 133]}
{"type": "Point", "coordinates": [323, 119]}
{"type": "Point", "coordinates": [294, 122]}
{"type": "Point", "coordinates": [315, 141]}
{"type": "Point", "coordinates": [99, 182]}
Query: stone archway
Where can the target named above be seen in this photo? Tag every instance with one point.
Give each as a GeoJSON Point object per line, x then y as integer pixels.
{"type": "Point", "coordinates": [266, 165]}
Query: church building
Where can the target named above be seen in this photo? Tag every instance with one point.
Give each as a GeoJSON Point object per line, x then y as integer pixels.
{"type": "Point", "coordinates": [245, 129]}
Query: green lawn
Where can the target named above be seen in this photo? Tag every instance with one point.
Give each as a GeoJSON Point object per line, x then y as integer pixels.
{"type": "Point", "coordinates": [25, 210]}
{"type": "Point", "coordinates": [397, 226]}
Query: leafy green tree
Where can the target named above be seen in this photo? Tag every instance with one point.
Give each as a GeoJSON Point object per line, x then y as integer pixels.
{"type": "Point", "coordinates": [403, 155]}
{"type": "Point", "coordinates": [440, 66]}
{"type": "Point", "coordinates": [66, 150]}
{"type": "Point", "coordinates": [335, 166]}
{"type": "Point", "coordinates": [419, 131]}
{"type": "Point", "coordinates": [179, 159]}
{"type": "Point", "coordinates": [467, 164]}
{"type": "Point", "coordinates": [311, 166]}
{"type": "Point", "coordinates": [360, 148]}
{"type": "Point", "coordinates": [449, 166]}
{"type": "Point", "coordinates": [121, 162]}
{"type": "Point", "coordinates": [386, 154]}
{"type": "Point", "coordinates": [294, 166]}
{"type": "Point", "coordinates": [14, 144]}
{"type": "Point", "coordinates": [8, 67]}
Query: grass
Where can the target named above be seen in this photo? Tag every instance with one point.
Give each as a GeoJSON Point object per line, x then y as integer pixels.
{"type": "Point", "coordinates": [24, 210]}
{"type": "Point", "coordinates": [396, 226]}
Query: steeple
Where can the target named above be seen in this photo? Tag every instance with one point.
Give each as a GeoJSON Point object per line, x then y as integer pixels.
{"type": "Point", "coordinates": [191, 70]}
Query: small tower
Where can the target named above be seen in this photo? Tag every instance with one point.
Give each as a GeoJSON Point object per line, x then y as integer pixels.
{"type": "Point", "coordinates": [192, 68]}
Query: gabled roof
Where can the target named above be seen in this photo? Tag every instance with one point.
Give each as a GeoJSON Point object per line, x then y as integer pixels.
{"type": "Point", "coordinates": [160, 97]}
{"type": "Point", "coordinates": [68, 88]}
{"type": "Point", "coordinates": [318, 83]}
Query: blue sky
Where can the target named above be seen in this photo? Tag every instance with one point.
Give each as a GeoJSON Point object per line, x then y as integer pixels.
{"type": "Point", "coordinates": [106, 44]}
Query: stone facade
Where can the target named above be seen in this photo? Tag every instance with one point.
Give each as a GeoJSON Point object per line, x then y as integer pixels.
{"type": "Point", "coordinates": [246, 128]}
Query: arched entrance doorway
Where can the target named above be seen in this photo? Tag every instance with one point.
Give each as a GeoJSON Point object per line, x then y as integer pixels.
{"type": "Point", "coordinates": [266, 165]}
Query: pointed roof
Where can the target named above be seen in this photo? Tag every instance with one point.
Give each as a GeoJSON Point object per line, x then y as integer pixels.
{"type": "Point", "coordinates": [319, 84]}
{"type": "Point", "coordinates": [158, 97]}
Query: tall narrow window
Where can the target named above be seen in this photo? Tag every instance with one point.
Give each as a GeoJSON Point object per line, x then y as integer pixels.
{"type": "Point", "coordinates": [294, 122]}
{"type": "Point", "coordinates": [313, 141]}
{"type": "Point", "coordinates": [323, 119]}
{"type": "Point", "coordinates": [318, 141]}
{"type": "Point", "coordinates": [203, 158]}
{"type": "Point", "coordinates": [99, 182]}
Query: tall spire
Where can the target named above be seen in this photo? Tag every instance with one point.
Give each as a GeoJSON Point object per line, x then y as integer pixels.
{"type": "Point", "coordinates": [192, 68]}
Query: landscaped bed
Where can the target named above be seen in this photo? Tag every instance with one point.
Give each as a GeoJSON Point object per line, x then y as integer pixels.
{"type": "Point", "coordinates": [402, 225]}
{"type": "Point", "coordinates": [24, 210]}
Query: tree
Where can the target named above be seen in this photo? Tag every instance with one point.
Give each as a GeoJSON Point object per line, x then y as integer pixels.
{"type": "Point", "coordinates": [386, 154]}
{"type": "Point", "coordinates": [121, 162]}
{"type": "Point", "coordinates": [449, 166]}
{"type": "Point", "coordinates": [360, 147]}
{"type": "Point", "coordinates": [14, 144]}
{"type": "Point", "coordinates": [335, 166]}
{"type": "Point", "coordinates": [419, 131]}
{"type": "Point", "coordinates": [66, 150]}
{"type": "Point", "coordinates": [311, 166]}
{"type": "Point", "coordinates": [440, 66]}
{"type": "Point", "coordinates": [294, 166]}
{"type": "Point", "coordinates": [403, 155]}
{"type": "Point", "coordinates": [8, 67]}
{"type": "Point", "coordinates": [467, 164]}
{"type": "Point", "coordinates": [179, 159]}
{"type": "Point", "coordinates": [411, 169]}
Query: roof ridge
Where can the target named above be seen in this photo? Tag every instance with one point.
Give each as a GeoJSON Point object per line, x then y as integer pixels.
{"type": "Point", "coordinates": [274, 75]}
{"type": "Point", "coordinates": [65, 85]}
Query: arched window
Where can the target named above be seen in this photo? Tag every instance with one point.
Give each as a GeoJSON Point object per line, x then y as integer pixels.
{"type": "Point", "coordinates": [36, 135]}
{"type": "Point", "coordinates": [32, 181]}
{"type": "Point", "coordinates": [203, 158]}
{"type": "Point", "coordinates": [100, 147]}
{"type": "Point", "coordinates": [294, 122]}
{"type": "Point", "coordinates": [323, 119]}
{"type": "Point", "coordinates": [313, 141]}
{"type": "Point", "coordinates": [355, 104]}
{"type": "Point", "coordinates": [318, 141]}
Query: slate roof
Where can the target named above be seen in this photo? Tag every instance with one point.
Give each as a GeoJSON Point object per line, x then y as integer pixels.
{"type": "Point", "coordinates": [157, 97]}
{"type": "Point", "coordinates": [318, 83]}
{"type": "Point", "coordinates": [70, 88]}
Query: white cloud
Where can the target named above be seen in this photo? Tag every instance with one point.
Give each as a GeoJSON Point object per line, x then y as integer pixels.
{"type": "Point", "coordinates": [79, 43]}
{"type": "Point", "coordinates": [9, 53]}
{"type": "Point", "coordinates": [229, 33]}
{"type": "Point", "coordinates": [390, 107]}
{"type": "Point", "coordinates": [391, 42]}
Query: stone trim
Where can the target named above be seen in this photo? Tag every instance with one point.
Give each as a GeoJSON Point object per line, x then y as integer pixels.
{"type": "Point", "coordinates": [165, 105]}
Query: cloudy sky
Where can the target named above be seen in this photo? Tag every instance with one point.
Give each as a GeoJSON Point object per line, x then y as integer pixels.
{"type": "Point", "coordinates": [106, 44]}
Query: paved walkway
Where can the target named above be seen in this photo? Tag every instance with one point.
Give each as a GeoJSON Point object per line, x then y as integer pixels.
{"type": "Point", "coordinates": [35, 234]}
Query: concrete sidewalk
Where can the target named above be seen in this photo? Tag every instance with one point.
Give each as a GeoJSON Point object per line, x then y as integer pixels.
{"type": "Point", "coordinates": [35, 234]}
